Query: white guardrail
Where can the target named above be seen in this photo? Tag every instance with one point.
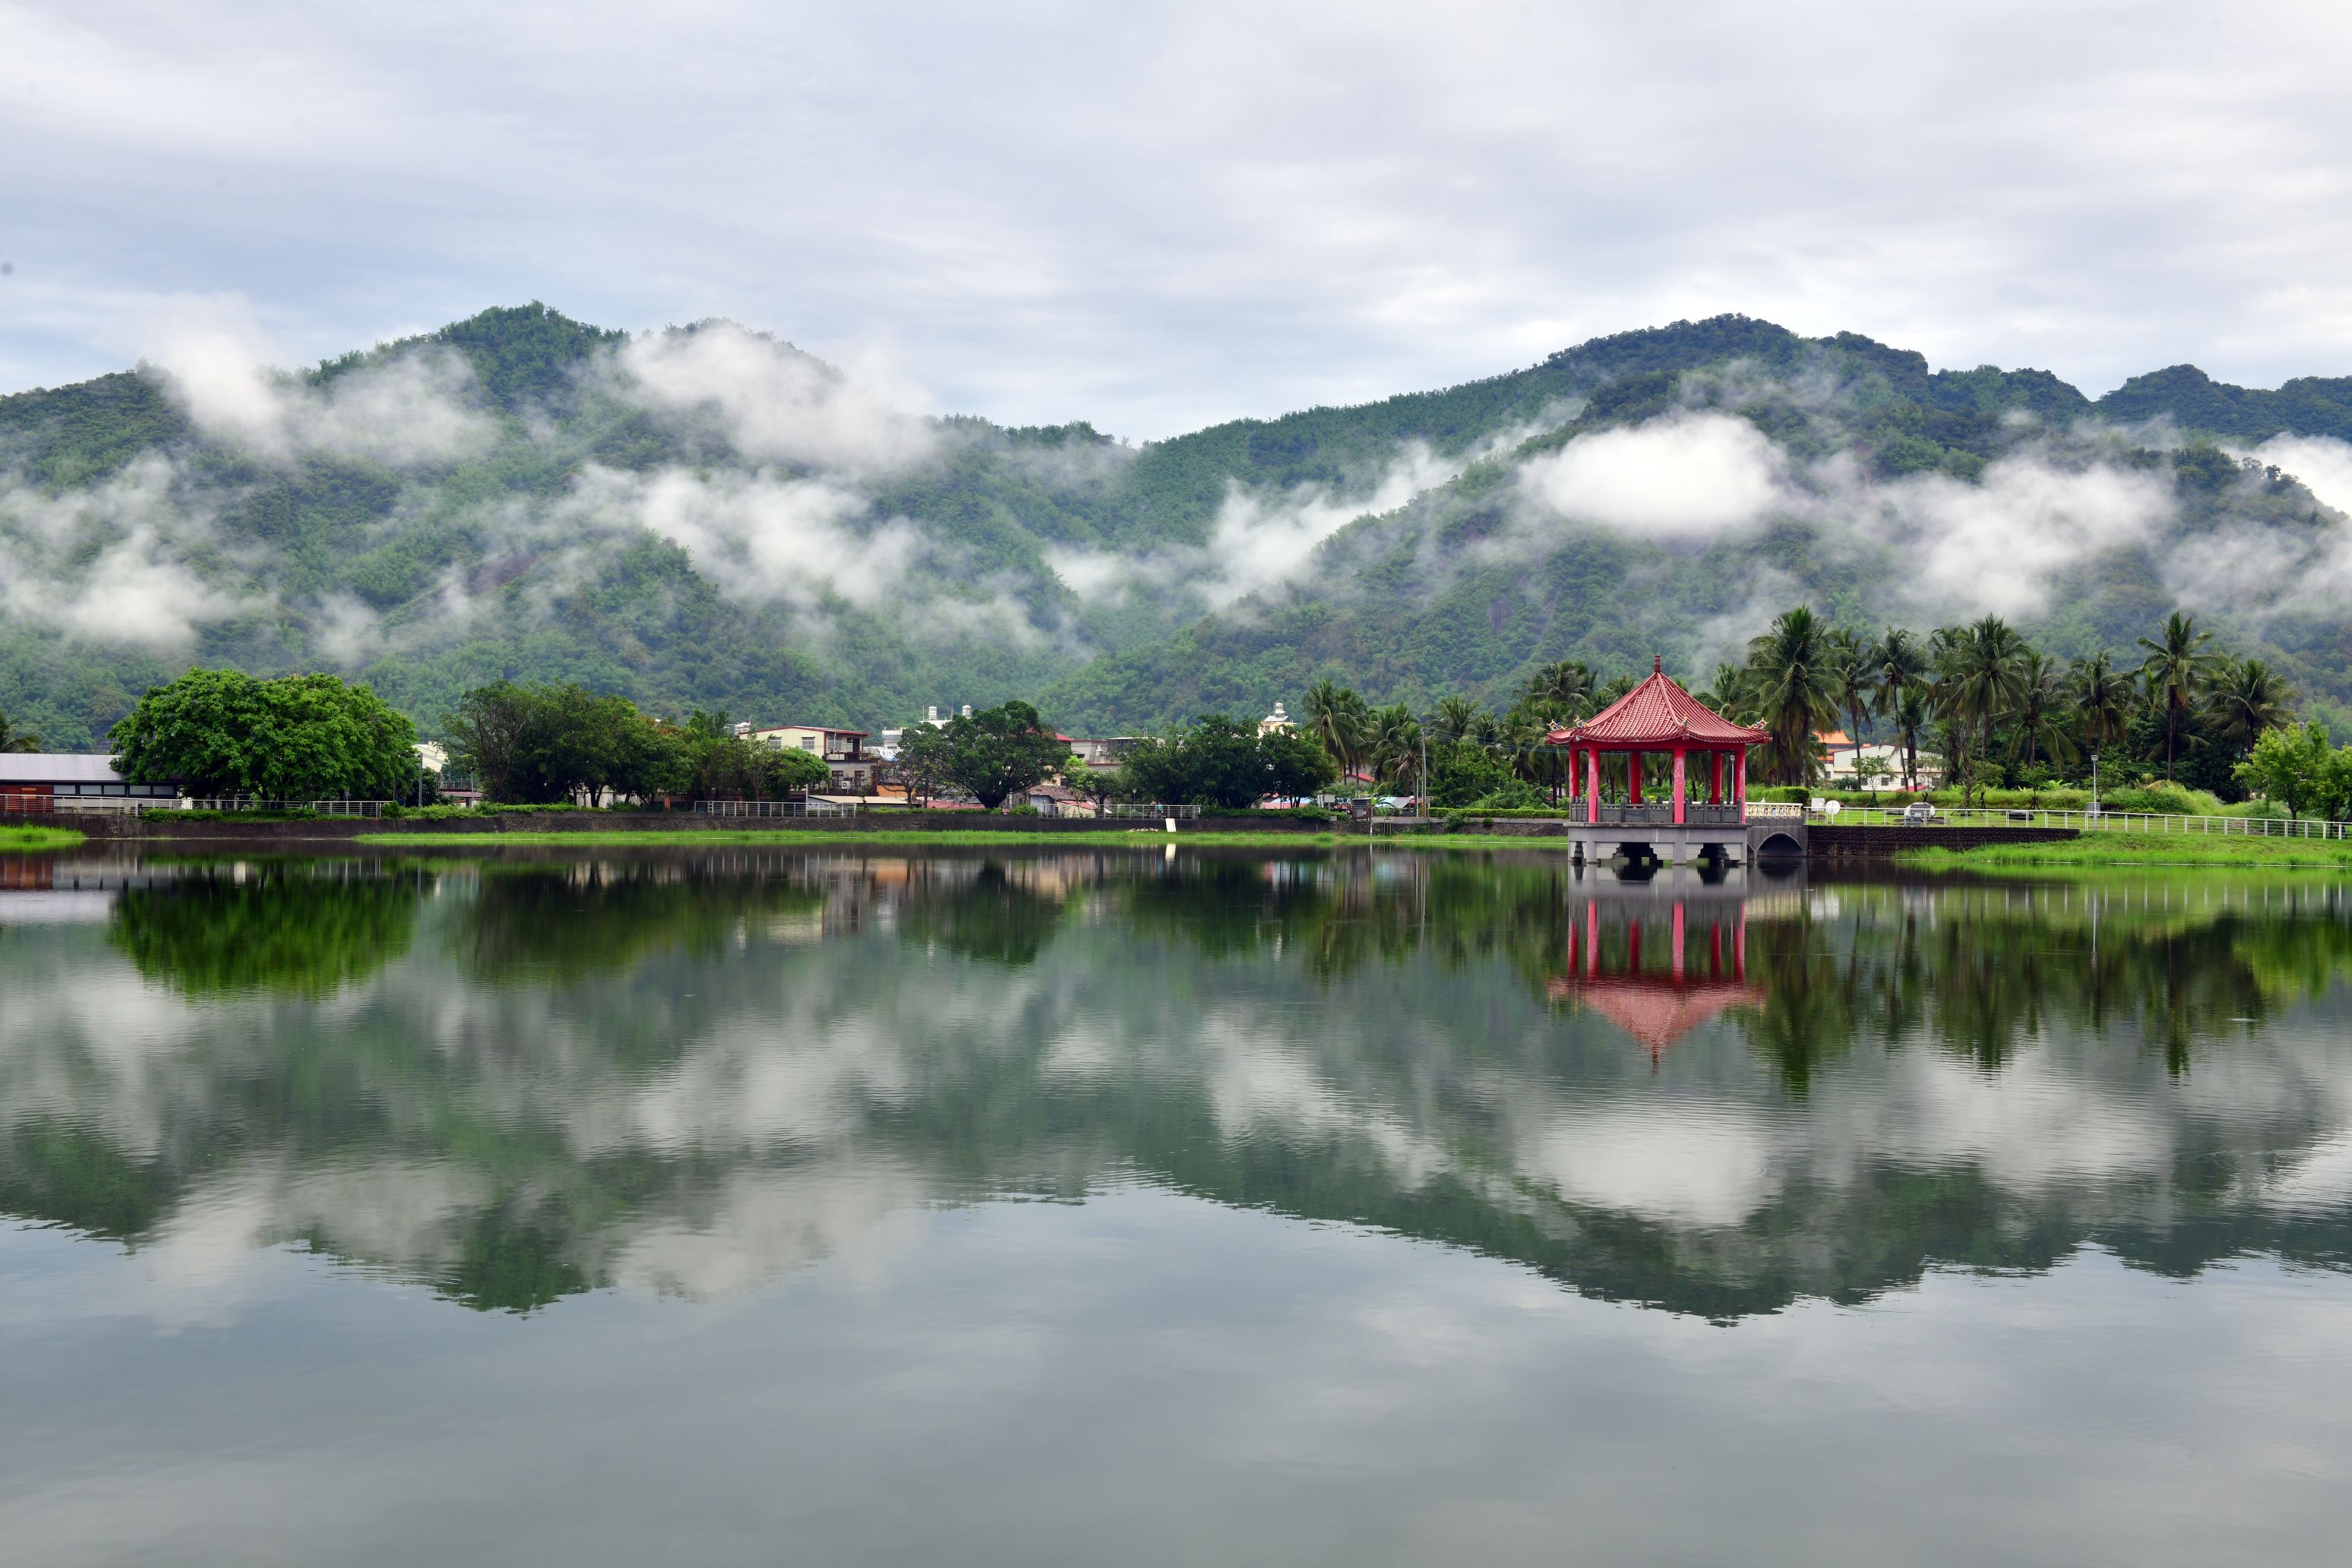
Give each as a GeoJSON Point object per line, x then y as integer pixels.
{"type": "Point", "coordinates": [2075, 821]}
{"type": "Point", "coordinates": [150, 806]}
{"type": "Point", "coordinates": [1142, 808]}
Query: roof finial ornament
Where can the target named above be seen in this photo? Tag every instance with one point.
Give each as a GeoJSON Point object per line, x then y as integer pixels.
{"type": "Point", "coordinates": [1657, 664]}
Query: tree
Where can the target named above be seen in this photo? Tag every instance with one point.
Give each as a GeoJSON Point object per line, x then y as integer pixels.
{"type": "Point", "coordinates": [2295, 767]}
{"type": "Point", "coordinates": [1913, 711]}
{"type": "Point", "coordinates": [220, 733]}
{"type": "Point", "coordinates": [2174, 674]}
{"type": "Point", "coordinates": [1336, 716]}
{"type": "Point", "coordinates": [1793, 669]}
{"type": "Point", "coordinates": [1392, 744]}
{"type": "Point", "coordinates": [1216, 760]}
{"type": "Point", "coordinates": [542, 744]}
{"type": "Point", "coordinates": [922, 762]}
{"type": "Point", "coordinates": [1454, 718]}
{"type": "Point", "coordinates": [2101, 696]}
{"type": "Point", "coordinates": [1979, 681]}
{"type": "Point", "coordinates": [1296, 765]}
{"type": "Point", "coordinates": [1855, 684]}
{"type": "Point", "coordinates": [1563, 689]}
{"type": "Point", "coordinates": [15, 739]}
{"type": "Point", "coordinates": [2247, 699]}
{"type": "Point", "coordinates": [2040, 720]}
{"type": "Point", "coordinates": [999, 751]}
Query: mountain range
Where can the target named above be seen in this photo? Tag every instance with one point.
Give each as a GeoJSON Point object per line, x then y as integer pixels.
{"type": "Point", "coordinates": [706, 517]}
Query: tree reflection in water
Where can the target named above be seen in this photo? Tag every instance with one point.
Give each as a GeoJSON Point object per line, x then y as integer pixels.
{"type": "Point", "coordinates": [687, 1072]}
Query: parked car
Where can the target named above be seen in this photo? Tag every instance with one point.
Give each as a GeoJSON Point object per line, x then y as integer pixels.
{"type": "Point", "coordinates": [1919, 813]}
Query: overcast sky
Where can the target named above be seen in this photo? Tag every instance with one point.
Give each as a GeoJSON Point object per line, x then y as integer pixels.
{"type": "Point", "coordinates": [1159, 217]}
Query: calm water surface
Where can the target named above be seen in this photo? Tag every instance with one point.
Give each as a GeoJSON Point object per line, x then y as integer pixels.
{"type": "Point", "coordinates": [852, 1207]}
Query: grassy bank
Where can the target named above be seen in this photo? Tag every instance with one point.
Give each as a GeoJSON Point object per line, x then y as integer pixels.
{"type": "Point", "coordinates": [2140, 849]}
{"type": "Point", "coordinates": [38, 838]}
{"type": "Point", "coordinates": [1141, 838]}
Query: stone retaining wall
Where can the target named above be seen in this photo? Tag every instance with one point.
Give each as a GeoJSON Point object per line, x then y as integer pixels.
{"type": "Point", "coordinates": [1875, 843]}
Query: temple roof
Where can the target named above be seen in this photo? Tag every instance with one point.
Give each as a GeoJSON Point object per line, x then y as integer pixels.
{"type": "Point", "coordinates": [1657, 713]}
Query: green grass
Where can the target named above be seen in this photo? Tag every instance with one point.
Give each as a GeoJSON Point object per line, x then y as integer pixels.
{"type": "Point", "coordinates": [2142, 849]}
{"type": "Point", "coordinates": [39, 838]}
{"type": "Point", "coordinates": [1144, 839]}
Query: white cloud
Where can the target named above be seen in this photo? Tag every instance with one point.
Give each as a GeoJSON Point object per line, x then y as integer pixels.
{"type": "Point", "coordinates": [110, 561]}
{"type": "Point", "coordinates": [412, 410]}
{"type": "Point", "coordinates": [759, 536]}
{"type": "Point", "coordinates": [1677, 479]}
{"type": "Point", "coordinates": [1998, 545]}
{"type": "Point", "coordinates": [778, 404]}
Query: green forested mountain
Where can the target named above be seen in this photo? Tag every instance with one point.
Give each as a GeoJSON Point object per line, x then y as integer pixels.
{"type": "Point", "coordinates": [705, 516]}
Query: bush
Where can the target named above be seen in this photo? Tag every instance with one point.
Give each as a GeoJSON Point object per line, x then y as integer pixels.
{"type": "Point", "coordinates": [1515, 794]}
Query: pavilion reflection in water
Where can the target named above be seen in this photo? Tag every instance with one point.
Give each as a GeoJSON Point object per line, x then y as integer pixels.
{"type": "Point", "coordinates": [1658, 956]}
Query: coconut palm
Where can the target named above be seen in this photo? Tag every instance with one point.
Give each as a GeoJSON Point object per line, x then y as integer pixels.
{"type": "Point", "coordinates": [2101, 696]}
{"type": "Point", "coordinates": [1793, 671]}
{"type": "Point", "coordinates": [1336, 716]}
{"type": "Point", "coordinates": [2247, 699]}
{"type": "Point", "coordinates": [1562, 689]}
{"type": "Point", "coordinates": [2040, 717]}
{"type": "Point", "coordinates": [1903, 662]}
{"type": "Point", "coordinates": [1454, 718]}
{"type": "Point", "coordinates": [1856, 683]}
{"type": "Point", "coordinates": [1981, 682]}
{"type": "Point", "coordinates": [1391, 742]}
{"type": "Point", "coordinates": [15, 739]}
{"type": "Point", "coordinates": [2175, 674]}
{"type": "Point", "coordinates": [1913, 711]}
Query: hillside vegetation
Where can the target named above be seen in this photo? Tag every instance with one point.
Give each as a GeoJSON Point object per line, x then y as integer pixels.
{"type": "Point", "coordinates": [709, 519]}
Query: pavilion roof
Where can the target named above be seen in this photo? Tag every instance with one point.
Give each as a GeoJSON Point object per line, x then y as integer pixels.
{"type": "Point", "coordinates": [1658, 712]}
{"type": "Point", "coordinates": [1655, 1011]}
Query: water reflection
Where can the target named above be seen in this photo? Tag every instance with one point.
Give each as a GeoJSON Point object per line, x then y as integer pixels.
{"type": "Point", "coordinates": [519, 1078]}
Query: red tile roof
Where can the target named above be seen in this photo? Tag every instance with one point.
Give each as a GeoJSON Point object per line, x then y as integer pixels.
{"type": "Point", "coordinates": [1655, 1011]}
{"type": "Point", "coordinates": [1657, 713]}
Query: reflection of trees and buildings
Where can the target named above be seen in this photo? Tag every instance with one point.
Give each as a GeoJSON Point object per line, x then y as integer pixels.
{"type": "Point", "coordinates": [520, 1077]}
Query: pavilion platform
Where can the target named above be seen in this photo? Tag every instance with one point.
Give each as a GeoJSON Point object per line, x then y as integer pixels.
{"type": "Point", "coordinates": [1727, 837]}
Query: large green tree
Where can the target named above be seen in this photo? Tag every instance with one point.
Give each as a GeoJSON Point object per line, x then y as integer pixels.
{"type": "Point", "coordinates": [541, 744]}
{"type": "Point", "coordinates": [221, 732]}
{"type": "Point", "coordinates": [2174, 673]}
{"type": "Point", "coordinates": [1793, 674]}
{"type": "Point", "coordinates": [1216, 760]}
{"type": "Point", "coordinates": [999, 751]}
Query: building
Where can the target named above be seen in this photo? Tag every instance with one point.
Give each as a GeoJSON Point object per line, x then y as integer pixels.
{"type": "Point", "coordinates": [1276, 723]}
{"type": "Point", "coordinates": [54, 781]}
{"type": "Point", "coordinates": [1103, 754]}
{"type": "Point", "coordinates": [843, 752]}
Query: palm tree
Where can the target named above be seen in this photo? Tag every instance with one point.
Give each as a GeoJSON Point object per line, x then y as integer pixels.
{"type": "Point", "coordinates": [1856, 684]}
{"type": "Point", "coordinates": [1903, 664]}
{"type": "Point", "coordinates": [1391, 742]}
{"type": "Point", "coordinates": [2101, 696]}
{"type": "Point", "coordinates": [2174, 673]}
{"type": "Point", "coordinates": [1912, 712]}
{"type": "Point", "coordinates": [16, 739]}
{"type": "Point", "coordinates": [2247, 699]}
{"type": "Point", "coordinates": [1335, 716]}
{"type": "Point", "coordinates": [1793, 671]}
{"type": "Point", "coordinates": [1727, 693]}
{"type": "Point", "coordinates": [1563, 689]}
{"type": "Point", "coordinates": [1453, 719]}
{"type": "Point", "coordinates": [2041, 716]}
{"type": "Point", "coordinates": [1980, 681]}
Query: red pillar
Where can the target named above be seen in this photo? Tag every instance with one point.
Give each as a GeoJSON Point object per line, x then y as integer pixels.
{"type": "Point", "coordinates": [1592, 940]}
{"type": "Point", "coordinates": [1681, 777]}
{"type": "Point", "coordinates": [1740, 781]}
{"type": "Point", "coordinates": [1592, 785]}
{"type": "Point", "coordinates": [1740, 944]}
{"type": "Point", "coordinates": [1715, 778]}
{"type": "Point", "coordinates": [1678, 940]}
{"type": "Point", "coordinates": [1633, 778]}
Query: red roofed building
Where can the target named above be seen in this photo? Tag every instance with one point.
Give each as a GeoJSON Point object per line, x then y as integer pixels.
{"type": "Point", "coordinates": [1654, 721]}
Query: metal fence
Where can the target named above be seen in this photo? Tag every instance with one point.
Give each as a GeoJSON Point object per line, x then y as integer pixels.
{"type": "Point", "coordinates": [2085, 821]}
{"type": "Point", "coordinates": [151, 805]}
{"type": "Point", "coordinates": [1144, 808]}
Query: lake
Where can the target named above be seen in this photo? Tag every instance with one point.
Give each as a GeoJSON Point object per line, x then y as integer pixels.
{"type": "Point", "coordinates": [861, 1205]}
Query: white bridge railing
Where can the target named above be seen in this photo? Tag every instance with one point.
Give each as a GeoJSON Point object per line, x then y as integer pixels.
{"type": "Point", "coordinates": [1139, 808]}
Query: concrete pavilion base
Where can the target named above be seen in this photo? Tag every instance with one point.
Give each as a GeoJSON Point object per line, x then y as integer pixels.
{"type": "Point", "coordinates": [1731, 843]}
